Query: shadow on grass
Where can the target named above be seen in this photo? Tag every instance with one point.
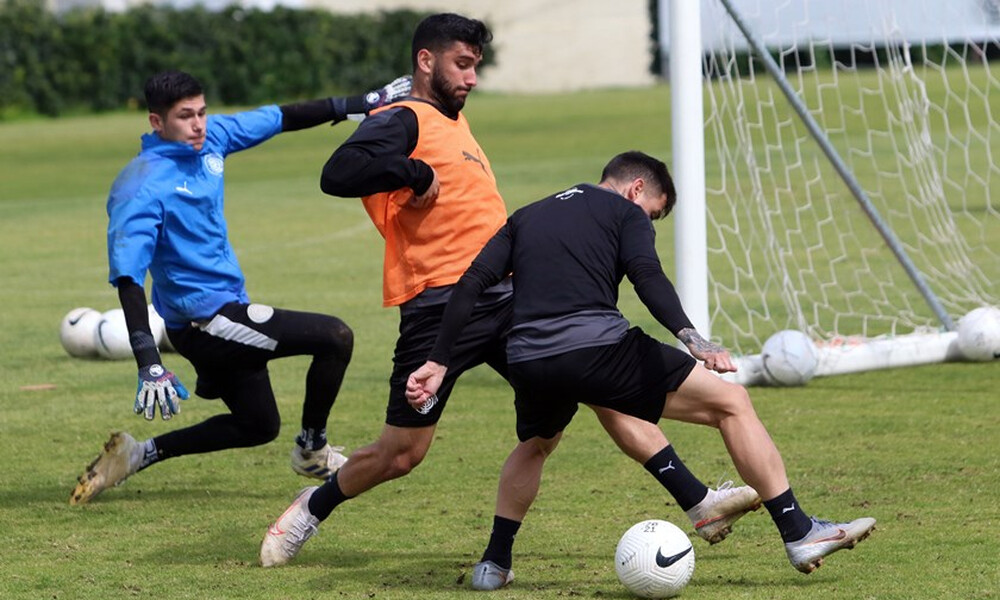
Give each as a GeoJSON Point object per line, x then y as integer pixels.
{"type": "Point", "coordinates": [130, 493]}
{"type": "Point", "coordinates": [324, 568]}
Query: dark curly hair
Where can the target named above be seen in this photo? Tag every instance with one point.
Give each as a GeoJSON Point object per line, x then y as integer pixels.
{"type": "Point", "coordinates": [438, 32]}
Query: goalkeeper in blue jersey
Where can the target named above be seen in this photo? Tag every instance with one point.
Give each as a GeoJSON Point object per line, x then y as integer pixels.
{"type": "Point", "coordinates": [166, 218]}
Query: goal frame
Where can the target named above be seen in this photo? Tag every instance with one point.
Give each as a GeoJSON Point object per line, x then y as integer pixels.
{"type": "Point", "coordinates": [692, 275]}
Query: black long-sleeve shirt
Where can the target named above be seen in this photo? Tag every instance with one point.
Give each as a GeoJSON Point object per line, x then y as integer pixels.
{"type": "Point", "coordinates": [376, 158]}
{"type": "Point", "coordinates": [568, 254]}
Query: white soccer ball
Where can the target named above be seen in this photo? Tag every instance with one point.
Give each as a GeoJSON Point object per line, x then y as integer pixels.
{"type": "Point", "coordinates": [157, 326]}
{"type": "Point", "coordinates": [76, 332]}
{"type": "Point", "coordinates": [789, 357]}
{"type": "Point", "coordinates": [979, 334]}
{"type": "Point", "coordinates": [111, 336]}
{"type": "Point", "coordinates": [654, 559]}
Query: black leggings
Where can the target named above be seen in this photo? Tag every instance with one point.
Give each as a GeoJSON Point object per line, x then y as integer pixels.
{"type": "Point", "coordinates": [230, 354]}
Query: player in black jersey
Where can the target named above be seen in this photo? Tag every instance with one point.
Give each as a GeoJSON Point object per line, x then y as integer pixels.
{"type": "Point", "coordinates": [570, 344]}
{"type": "Point", "coordinates": [417, 183]}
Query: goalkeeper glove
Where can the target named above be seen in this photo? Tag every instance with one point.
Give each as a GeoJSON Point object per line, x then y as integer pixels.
{"type": "Point", "coordinates": [397, 89]}
{"type": "Point", "coordinates": [158, 386]}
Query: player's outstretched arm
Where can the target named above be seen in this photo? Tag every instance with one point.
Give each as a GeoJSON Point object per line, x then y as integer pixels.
{"type": "Point", "coordinates": [156, 385]}
{"type": "Point", "coordinates": [716, 357]}
{"type": "Point", "coordinates": [333, 110]}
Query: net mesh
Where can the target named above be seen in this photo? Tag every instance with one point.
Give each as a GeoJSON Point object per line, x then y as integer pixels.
{"type": "Point", "coordinates": [911, 113]}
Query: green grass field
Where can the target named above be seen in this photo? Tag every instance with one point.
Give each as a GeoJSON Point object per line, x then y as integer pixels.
{"type": "Point", "coordinates": [915, 448]}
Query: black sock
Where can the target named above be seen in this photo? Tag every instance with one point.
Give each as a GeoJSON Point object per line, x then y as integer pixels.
{"type": "Point", "coordinates": [668, 469]}
{"type": "Point", "coordinates": [328, 497]}
{"type": "Point", "coordinates": [500, 548]}
{"type": "Point", "coordinates": [311, 439]}
{"type": "Point", "coordinates": [793, 523]}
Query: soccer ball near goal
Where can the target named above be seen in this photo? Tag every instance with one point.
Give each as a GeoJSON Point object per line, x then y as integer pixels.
{"type": "Point", "coordinates": [76, 332]}
{"type": "Point", "coordinates": [979, 334]}
{"type": "Point", "coordinates": [111, 336]}
{"type": "Point", "coordinates": [654, 559]}
{"type": "Point", "coordinates": [789, 357]}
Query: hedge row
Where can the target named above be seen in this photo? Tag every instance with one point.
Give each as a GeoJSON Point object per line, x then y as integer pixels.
{"type": "Point", "coordinates": [92, 59]}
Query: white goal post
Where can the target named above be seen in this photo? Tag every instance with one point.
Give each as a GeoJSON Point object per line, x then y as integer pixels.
{"type": "Point", "coordinates": [852, 191]}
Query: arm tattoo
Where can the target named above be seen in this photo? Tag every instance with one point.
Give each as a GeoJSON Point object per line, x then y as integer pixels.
{"type": "Point", "coordinates": [693, 340]}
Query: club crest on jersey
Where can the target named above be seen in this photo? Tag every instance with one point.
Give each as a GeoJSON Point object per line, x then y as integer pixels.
{"type": "Point", "coordinates": [214, 163]}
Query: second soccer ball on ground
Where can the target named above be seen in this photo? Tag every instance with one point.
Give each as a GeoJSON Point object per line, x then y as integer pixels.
{"type": "Point", "coordinates": [789, 357]}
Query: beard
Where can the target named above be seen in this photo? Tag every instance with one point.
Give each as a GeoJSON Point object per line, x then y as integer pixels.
{"type": "Point", "coordinates": [445, 95]}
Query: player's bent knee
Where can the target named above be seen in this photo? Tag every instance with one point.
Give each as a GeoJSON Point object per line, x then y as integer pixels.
{"type": "Point", "coordinates": [400, 449]}
{"type": "Point", "coordinates": [402, 464]}
{"type": "Point", "coordinates": [266, 436]}
{"type": "Point", "coordinates": [735, 402]}
{"type": "Point", "coordinates": [543, 447]}
{"type": "Point", "coordinates": [390, 461]}
{"type": "Point", "coordinates": [729, 400]}
{"type": "Point", "coordinates": [342, 337]}
{"type": "Point", "coordinates": [410, 459]}
{"type": "Point", "coordinates": [262, 431]}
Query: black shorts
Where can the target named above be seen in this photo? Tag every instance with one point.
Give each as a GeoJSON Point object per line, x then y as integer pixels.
{"type": "Point", "coordinates": [632, 376]}
{"type": "Point", "coordinates": [483, 340]}
{"type": "Point", "coordinates": [235, 345]}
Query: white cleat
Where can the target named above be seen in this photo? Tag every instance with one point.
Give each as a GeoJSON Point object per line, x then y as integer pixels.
{"type": "Point", "coordinates": [119, 459]}
{"type": "Point", "coordinates": [284, 538]}
{"type": "Point", "coordinates": [824, 539]}
{"type": "Point", "coordinates": [488, 576]}
{"type": "Point", "coordinates": [321, 464]}
{"type": "Point", "coordinates": [714, 516]}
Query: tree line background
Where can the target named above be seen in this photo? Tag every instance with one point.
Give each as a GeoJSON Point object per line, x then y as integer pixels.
{"type": "Point", "coordinates": [95, 60]}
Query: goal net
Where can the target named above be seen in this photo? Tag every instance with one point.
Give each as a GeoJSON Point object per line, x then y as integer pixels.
{"type": "Point", "coordinates": [908, 94]}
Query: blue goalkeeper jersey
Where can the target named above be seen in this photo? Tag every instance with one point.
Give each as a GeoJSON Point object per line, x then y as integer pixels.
{"type": "Point", "coordinates": [166, 217]}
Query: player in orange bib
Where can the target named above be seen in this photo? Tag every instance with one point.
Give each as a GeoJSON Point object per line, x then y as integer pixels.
{"type": "Point", "coordinates": [429, 189]}
{"type": "Point", "coordinates": [427, 248]}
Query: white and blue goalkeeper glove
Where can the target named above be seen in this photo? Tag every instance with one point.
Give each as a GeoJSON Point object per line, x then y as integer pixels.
{"type": "Point", "coordinates": [397, 89]}
{"type": "Point", "coordinates": [158, 386]}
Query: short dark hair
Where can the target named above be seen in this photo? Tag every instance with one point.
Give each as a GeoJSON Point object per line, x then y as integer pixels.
{"type": "Point", "coordinates": [633, 164]}
{"type": "Point", "coordinates": [438, 32]}
{"type": "Point", "coordinates": [166, 88]}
